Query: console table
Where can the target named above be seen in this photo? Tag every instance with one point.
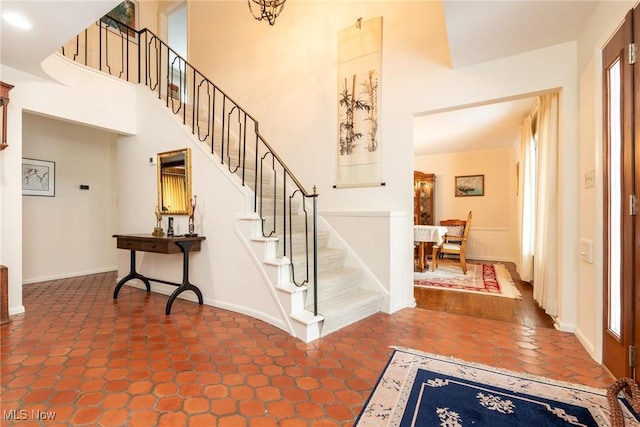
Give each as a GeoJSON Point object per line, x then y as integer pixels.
{"type": "Point", "coordinates": [160, 245]}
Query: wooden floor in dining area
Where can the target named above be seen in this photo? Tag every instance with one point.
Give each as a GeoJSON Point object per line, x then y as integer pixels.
{"type": "Point", "coordinates": [525, 311]}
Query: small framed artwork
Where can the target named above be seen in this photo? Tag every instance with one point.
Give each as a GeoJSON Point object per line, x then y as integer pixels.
{"type": "Point", "coordinates": [38, 178]}
{"type": "Point", "coordinates": [469, 185]}
{"type": "Point", "coordinates": [125, 13]}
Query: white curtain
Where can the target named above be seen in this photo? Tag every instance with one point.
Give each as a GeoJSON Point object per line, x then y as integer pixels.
{"type": "Point", "coordinates": [545, 270]}
{"type": "Point", "coordinates": [528, 198]}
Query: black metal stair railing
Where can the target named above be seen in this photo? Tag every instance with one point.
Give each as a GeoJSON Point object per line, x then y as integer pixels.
{"type": "Point", "coordinates": [287, 210]}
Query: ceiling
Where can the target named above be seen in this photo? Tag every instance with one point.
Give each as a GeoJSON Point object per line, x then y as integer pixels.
{"type": "Point", "coordinates": [483, 127]}
{"type": "Point", "coordinates": [510, 27]}
{"type": "Point", "coordinates": [507, 27]}
{"type": "Point", "coordinates": [54, 23]}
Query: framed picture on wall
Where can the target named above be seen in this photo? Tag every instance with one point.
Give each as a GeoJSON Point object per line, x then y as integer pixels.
{"type": "Point", "coordinates": [38, 178]}
{"type": "Point", "coordinates": [469, 185]}
{"type": "Point", "coordinates": [125, 13]}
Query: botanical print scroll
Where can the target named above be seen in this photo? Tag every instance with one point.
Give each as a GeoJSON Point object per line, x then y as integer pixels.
{"type": "Point", "coordinates": [359, 65]}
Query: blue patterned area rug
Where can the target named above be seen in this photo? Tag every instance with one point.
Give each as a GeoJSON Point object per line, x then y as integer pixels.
{"type": "Point", "coordinates": [421, 389]}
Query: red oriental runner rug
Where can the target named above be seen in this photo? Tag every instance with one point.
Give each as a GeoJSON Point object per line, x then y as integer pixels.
{"type": "Point", "coordinates": [488, 279]}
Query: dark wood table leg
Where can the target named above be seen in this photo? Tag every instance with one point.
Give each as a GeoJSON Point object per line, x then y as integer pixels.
{"type": "Point", "coordinates": [133, 274]}
{"type": "Point", "coordinates": [185, 247]}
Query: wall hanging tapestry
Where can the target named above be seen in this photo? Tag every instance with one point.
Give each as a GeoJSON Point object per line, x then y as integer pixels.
{"type": "Point", "coordinates": [422, 389]}
{"type": "Point", "coordinates": [359, 65]}
{"type": "Point", "coordinates": [488, 279]}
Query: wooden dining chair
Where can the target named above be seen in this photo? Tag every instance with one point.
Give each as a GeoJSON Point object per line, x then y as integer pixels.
{"type": "Point", "coordinates": [454, 242]}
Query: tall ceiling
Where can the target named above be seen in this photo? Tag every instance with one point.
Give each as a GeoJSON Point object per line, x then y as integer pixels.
{"type": "Point", "coordinates": [510, 27]}
{"type": "Point", "coordinates": [481, 127]}
{"type": "Point", "coordinates": [506, 28]}
{"type": "Point", "coordinates": [53, 24]}
{"type": "Point", "coordinates": [478, 31]}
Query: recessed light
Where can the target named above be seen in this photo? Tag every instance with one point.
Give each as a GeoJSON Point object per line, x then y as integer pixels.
{"type": "Point", "coordinates": [16, 20]}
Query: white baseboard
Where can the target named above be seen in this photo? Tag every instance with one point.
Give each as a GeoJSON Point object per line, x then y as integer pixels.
{"type": "Point", "coordinates": [16, 310]}
{"type": "Point", "coordinates": [68, 275]}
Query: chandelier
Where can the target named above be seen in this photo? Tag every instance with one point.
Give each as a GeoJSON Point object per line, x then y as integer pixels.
{"type": "Point", "coordinates": [266, 9]}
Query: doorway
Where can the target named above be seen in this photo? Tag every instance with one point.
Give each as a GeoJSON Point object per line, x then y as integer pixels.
{"type": "Point", "coordinates": [174, 29]}
{"type": "Point", "coordinates": [621, 80]}
{"type": "Point", "coordinates": [177, 29]}
{"type": "Point", "coordinates": [480, 139]}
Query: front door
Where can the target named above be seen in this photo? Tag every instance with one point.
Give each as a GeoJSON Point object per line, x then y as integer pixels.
{"type": "Point", "coordinates": [622, 225]}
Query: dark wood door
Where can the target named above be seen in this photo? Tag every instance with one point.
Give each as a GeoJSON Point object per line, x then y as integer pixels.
{"type": "Point", "coordinates": [619, 191]}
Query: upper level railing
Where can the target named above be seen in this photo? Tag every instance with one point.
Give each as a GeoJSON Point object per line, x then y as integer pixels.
{"type": "Point", "coordinates": [288, 211]}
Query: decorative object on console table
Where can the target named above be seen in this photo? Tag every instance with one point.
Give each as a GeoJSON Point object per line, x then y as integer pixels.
{"type": "Point", "coordinates": [4, 101]}
{"type": "Point", "coordinates": [192, 226]}
{"type": "Point", "coordinates": [170, 227]}
{"type": "Point", "coordinates": [157, 230]}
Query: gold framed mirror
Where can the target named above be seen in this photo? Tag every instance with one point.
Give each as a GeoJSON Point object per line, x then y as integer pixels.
{"type": "Point", "coordinates": [174, 182]}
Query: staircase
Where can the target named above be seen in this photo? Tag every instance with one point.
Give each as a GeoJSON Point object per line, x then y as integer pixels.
{"type": "Point", "coordinates": [342, 298]}
{"type": "Point", "coordinates": [323, 287]}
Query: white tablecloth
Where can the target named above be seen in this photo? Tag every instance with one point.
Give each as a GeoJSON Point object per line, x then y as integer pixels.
{"type": "Point", "coordinates": [429, 233]}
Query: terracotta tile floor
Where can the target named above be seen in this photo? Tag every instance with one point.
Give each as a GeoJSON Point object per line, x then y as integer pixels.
{"type": "Point", "coordinates": [87, 360]}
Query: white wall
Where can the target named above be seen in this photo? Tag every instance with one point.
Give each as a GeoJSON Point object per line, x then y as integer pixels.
{"type": "Point", "coordinates": [224, 269]}
{"type": "Point", "coordinates": [493, 226]}
{"type": "Point", "coordinates": [66, 102]}
{"type": "Point", "coordinates": [295, 100]}
{"type": "Point", "coordinates": [69, 234]}
{"type": "Point", "coordinates": [604, 21]}
{"type": "Point", "coordinates": [389, 231]}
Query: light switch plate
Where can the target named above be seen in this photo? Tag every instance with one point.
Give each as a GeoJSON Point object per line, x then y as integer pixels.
{"type": "Point", "coordinates": [586, 250]}
{"type": "Point", "coordinates": [590, 178]}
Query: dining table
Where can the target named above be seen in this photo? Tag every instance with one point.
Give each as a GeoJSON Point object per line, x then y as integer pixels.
{"type": "Point", "coordinates": [423, 234]}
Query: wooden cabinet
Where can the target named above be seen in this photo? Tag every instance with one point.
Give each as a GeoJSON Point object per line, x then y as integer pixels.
{"type": "Point", "coordinates": [423, 195]}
